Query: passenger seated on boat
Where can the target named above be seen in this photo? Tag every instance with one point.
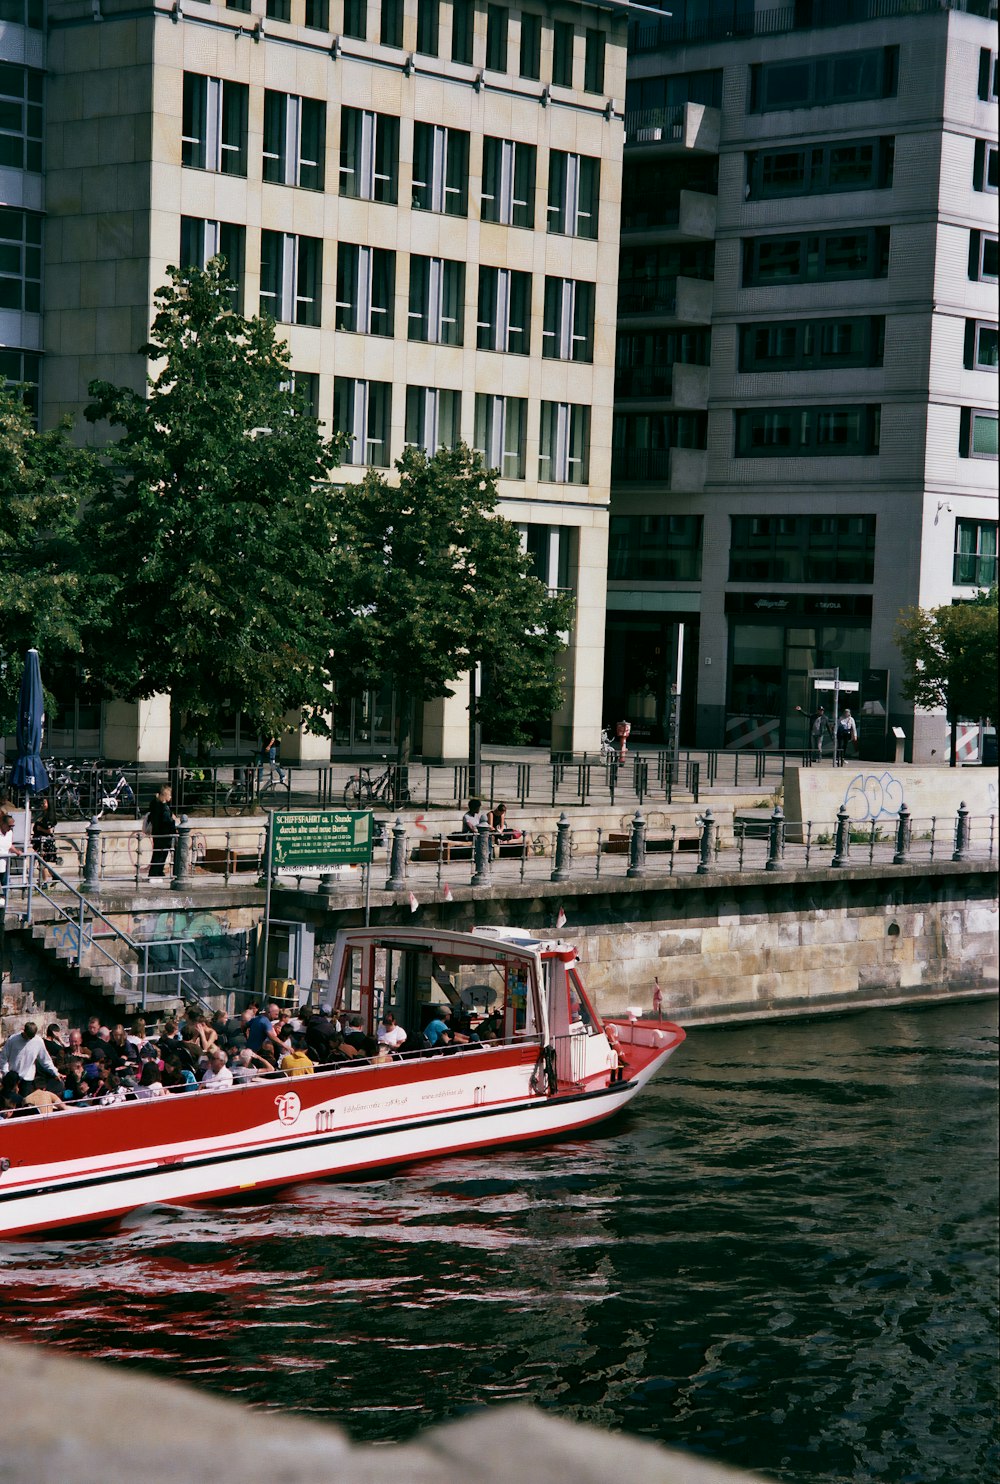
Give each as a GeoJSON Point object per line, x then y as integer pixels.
{"type": "Point", "coordinates": [176, 1074]}
{"type": "Point", "coordinates": [356, 1037]}
{"type": "Point", "coordinates": [438, 1031]}
{"type": "Point", "coordinates": [320, 1030]}
{"type": "Point", "coordinates": [246, 1066]}
{"type": "Point", "coordinates": [74, 1083]}
{"type": "Point", "coordinates": [391, 1035]}
{"type": "Point", "coordinates": [150, 1081]}
{"type": "Point", "coordinates": [219, 1077]}
{"type": "Point", "coordinates": [43, 1098]}
{"type": "Point", "coordinates": [197, 1022]}
{"type": "Point", "coordinates": [341, 1051]}
{"type": "Point", "coordinates": [297, 1062]}
{"type": "Point", "coordinates": [491, 1029]}
{"type": "Point", "coordinates": [10, 1094]}
{"type": "Point", "coordinates": [261, 1029]}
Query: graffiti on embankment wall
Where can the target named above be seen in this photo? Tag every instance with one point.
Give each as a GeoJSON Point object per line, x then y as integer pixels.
{"type": "Point", "coordinates": [816, 794]}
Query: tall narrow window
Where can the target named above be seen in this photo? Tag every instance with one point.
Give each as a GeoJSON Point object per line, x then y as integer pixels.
{"type": "Point", "coordinates": [978, 433]}
{"type": "Point", "coordinates": [428, 27]}
{"type": "Point", "coordinates": [433, 417]}
{"type": "Point", "coordinates": [563, 443]}
{"type": "Point", "coordinates": [279, 10]}
{"type": "Point", "coordinates": [563, 37]}
{"type": "Point", "coordinates": [201, 241]}
{"type": "Point", "coordinates": [391, 26]}
{"type": "Point", "coordinates": [291, 272]}
{"type": "Point", "coordinates": [975, 553]}
{"type": "Point", "coordinates": [463, 15]}
{"type": "Point", "coordinates": [363, 410]}
{"type": "Point", "coordinates": [294, 140]}
{"type": "Point", "coordinates": [20, 117]}
{"type": "Point", "coordinates": [508, 182]}
{"type": "Point", "coordinates": [574, 185]}
{"type": "Point", "coordinates": [440, 169]}
{"type": "Point", "coordinates": [500, 433]}
{"type": "Point", "coordinates": [504, 321]}
{"type": "Point", "coordinates": [214, 124]}
{"type": "Point", "coordinates": [496, 37]}
{"type": "Point", "coordinates": [317, 14]}
{"type": "Point", "coordinates": [356, 19]}
{"type": "Point", "coordinates": [982, 345]}
{"type": "Point", "coordinates": [983, 257]}
{"type": "Point", "coordinates": [568, 321]}
{"type": "Point", "coordinates": [531, 45]}
{"type": "Point", "coordinates": [366, 283]}
{"type": "Point", "coordinates": [369, 155]}
{"type": "Point", "coordinates": [437, 300]}
{"type": "Point", "coordinates": [20, 260]}
{"type": "Point", "coordinates": [593, 62]}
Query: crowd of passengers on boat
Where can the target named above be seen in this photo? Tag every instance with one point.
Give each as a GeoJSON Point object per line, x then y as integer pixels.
{"type": "Point", "coordinates": [99, 1065]}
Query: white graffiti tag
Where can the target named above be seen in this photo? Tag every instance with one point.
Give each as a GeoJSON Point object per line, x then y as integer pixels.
{"type": "Point", "coordinates": [870, 796]}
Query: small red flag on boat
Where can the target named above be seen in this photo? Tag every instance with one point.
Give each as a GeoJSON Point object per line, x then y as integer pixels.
{"type": "Point", "coordinates": [414, 904]}
{"type": "Point", "coordinates": [560, 918]}
{"type": "Point", "coordinates": [447, 893]}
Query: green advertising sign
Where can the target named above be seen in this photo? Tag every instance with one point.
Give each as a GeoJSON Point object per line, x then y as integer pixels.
{"type": "Point", "coordinates": [320, 837]}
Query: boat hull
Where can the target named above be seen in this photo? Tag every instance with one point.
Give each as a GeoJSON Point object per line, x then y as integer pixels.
{"type": "Point", "coordinates": [81, 1167]}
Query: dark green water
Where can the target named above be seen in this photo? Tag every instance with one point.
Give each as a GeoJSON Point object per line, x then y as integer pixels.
{"type": "Point", "coordinates": [784, 1256]}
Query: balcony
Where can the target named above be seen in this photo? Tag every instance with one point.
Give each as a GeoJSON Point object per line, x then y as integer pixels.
{"type": "Point", "coordinates": [680, 301]}
{"type": "Point", "coordinates": [676, 470]}
{"type": "Point", "coordinates": [673, 129]}
{"type": "Point", "coordinates": [682, 385]}
{"type": "Point", "coordinates": [690, 217]}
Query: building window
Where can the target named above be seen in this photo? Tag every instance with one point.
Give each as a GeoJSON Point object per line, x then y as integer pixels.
{"type": "Point", "coordinates": [363, 410]}
{"type": "Point", "coordinates": [988, 90]}
{"type": "Point", "coordinates": [829, 257]}
{"type": "Point", "coordinates": [279, 10]}
{"type": "Point", "coordinates": [20, 117]}
{"type": "Point", "coordinates": [812, 82]}
{"type": "Point", "coordinates": [294, 140]}
{"type": "Point", "coordinates": [981, 345]}
{"type": "Point", "coordinates": [975, 553]}
{"type": "Point", "coordinates": [214, 125]}
{"type": "Point", "coordinates": [366, 285]}
{"type": "Point", "coordinates": [807, 432]}
{"type": "Point", "coordinates": [978, 433]}
{"type": "Point", "coordinates": [508, 182]}
{"type": "Point", "coordinates": [23, 13]}
{"type": "Point", "coordinates": [437, 300]}
{"type": "Point", "coordinates": [658, 93]}
{"type": "Point", "coordinates": [496, 37]}
{"type": "Point", "coordinates": [645, 361]}
{"type": "Point", "coordinates": [428, 27]}
{"type": "Point", "coordinates": [531, 45]}
{"type": "Point", "coordinates": [304, 387]}
{"type": "Point", "coordinates": [641, 442]}
{"type": "Point", "coordinates": [356, 19]}
{"type": "Point", "coordinates": [463, 17]}
{"type": "Point", "coordinates": [504, 321]}
{"type": "Point", "coordinates": [984, 166]}
{"type": "Point", "coordinates": [563, 446]}
{"type": "Point", "coordinates": [440, 169]}
{"type": "Point", "coordinates": [391, 23]}
{"type": "Point", "coordinates": [201, 241]}
{"type": "Point", "coordinates": [568, 320]}
{"type": "Point", "coordinates": [433, 418]}
{"type": "Point", "coordinates": [593, 61]}
{"type": "Point", "coordinates": [19, 372]}
{"type": "Point", "coordinates": [20, 261]}
{"type": "Point", "coordinates": [317, 15]}
{"type": "Point", "coordinates": [813, 345]}
{"type": "Point", "coordinates": [821, 169]}
{"type": "Point", "coordinates": [983, 256]}
{"type": "Point", "coordinates": [291, 272]}
{"type": "Point", "coordinates": [500, 433]}
{"type": "Point", "coordinates": [802, 548]}
{"type": "Point", "coordinates": [552, 550]}
{"type": "Point", "coordinates": [369, 155]}
{"type": "Point", "coordinates": [242, 5]}
{"type": "Point", "coordinates": [574, 189]}
{"type": "Point", "coordinates": [655, 548]}
{"type": "Point", "coordinates": [563, 38]}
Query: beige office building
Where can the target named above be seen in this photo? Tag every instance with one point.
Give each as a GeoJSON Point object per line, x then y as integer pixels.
{"type": "Point", "coordinates": [424, 194]}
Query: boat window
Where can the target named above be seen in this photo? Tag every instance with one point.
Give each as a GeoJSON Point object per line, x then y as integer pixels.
{"type": "Point", "coordinates": [349, 989]}
{"type": "Point", "coordinates": [581, 1011]}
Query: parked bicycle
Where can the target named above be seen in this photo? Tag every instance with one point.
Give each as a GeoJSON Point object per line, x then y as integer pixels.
{"type": "Point", "coordinates": [363, 789]}
{"type": "Point", "coordinates": [245, 797]}
{"type": "Point", "coordinates": [609, 746]}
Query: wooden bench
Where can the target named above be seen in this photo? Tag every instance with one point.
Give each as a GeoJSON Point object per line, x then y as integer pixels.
{"type": "Point", "coordinates": [442, 850]}
{"type": "Point", "coordinates": [617, 843]}
{"type": "Point", "coordinates": [228, 862]}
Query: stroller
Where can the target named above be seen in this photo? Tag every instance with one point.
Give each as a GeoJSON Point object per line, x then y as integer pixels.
{"type": "Point", "coordinates": [43, 839]}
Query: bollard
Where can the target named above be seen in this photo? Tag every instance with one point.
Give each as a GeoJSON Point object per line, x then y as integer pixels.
{"type": "Point", "coordinates": [92, 859]}
{"type": "Point", "coordinates": [904, 830]}
{"type": "Point", "coordinates": [481, 875]}
{"type": "Point", "coordinates": [961, 851]}
{"type": "Point", "coordinates": [637, 847]}
{"type": "Point", "coordinates": [706, 844]}
{"type": "Point", "coordinates": [776, 841]}
{"type": "Point", "coordinates": [842, 848]}
{"type": "Point", "coordinates": [397, 860]}
{"type": "Point", "coordinates": [564, 838]}
{"type": "Point", "coordinates": [182, 855]}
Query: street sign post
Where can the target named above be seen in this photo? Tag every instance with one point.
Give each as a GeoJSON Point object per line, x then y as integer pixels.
{"type": "Point", "coordinates": [831, 675]}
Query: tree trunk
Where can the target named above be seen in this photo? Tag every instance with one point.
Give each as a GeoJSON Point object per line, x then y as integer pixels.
{"type": "Point", "coordinates": [953, 743]}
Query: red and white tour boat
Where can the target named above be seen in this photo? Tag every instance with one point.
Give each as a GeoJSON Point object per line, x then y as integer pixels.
{"type": "Point", "coordinates": [555, 1067]}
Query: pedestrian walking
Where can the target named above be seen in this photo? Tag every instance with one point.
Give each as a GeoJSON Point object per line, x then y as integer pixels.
{"type": "Point", "coordinates": [847, 733]}
{"type": "Point", "coordinates": [162, 828]}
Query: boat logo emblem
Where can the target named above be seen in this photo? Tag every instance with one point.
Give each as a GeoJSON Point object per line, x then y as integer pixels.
{"type": "Point", "coordinates": [289, 1107]}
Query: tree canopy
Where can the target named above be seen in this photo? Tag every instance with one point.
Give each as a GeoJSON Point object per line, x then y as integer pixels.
{"type": "Point", "coordinates": [427, 580]}
{"type": "Point", "coordinates": [950, 657]}
{"type": "Point", "coordinates": [219, 520]}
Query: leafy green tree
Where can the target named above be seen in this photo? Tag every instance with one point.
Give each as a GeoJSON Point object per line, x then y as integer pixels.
{"type": "Point", "coordinates": [950, 659]}
{"type": "Point", "coordinates": [427, 580]}
{"type": "Point", "coordinates": [47, 594]}
{"type": "Point", "coordinates": [218, 522]}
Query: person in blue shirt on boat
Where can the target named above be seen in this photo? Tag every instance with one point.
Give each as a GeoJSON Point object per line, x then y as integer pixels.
{"type": "Point", "coordinates": [439, 1032]}
{"type": "Point", "coordinates": [261, 1028]}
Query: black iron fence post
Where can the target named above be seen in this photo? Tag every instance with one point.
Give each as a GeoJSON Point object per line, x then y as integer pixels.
{"type": "Point", "coordinates": [961, 851]}
{"type": "Point", "coordinates": [564, 835]}
{"type": "Point", "coordinates": [397, 858]}
{"type": "Point", "coordinates": [182, 855]}
{"type": "Point", "coordinates": [637, 847]}
{"type": "Point", "coordinates": [842, 850]}
{"type": "Point", "coordinates": [776, 841]}
{"type": "Point", "coordinates": [706, 844]}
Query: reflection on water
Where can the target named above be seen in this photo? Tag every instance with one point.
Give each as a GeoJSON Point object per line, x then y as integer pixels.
{"type": "Point", "coordinates": [783, 1255]}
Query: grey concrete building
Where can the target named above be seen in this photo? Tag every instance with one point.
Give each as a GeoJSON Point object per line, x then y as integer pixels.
{"type": "Point", "coordinates": [806, 399]}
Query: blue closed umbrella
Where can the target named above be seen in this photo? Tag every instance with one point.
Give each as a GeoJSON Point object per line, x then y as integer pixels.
{"type": "Point", "coordinates": [29, 772]}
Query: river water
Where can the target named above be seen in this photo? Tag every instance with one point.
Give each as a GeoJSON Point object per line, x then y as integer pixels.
{"type": "Point", "coordinates": [784, 1255]}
